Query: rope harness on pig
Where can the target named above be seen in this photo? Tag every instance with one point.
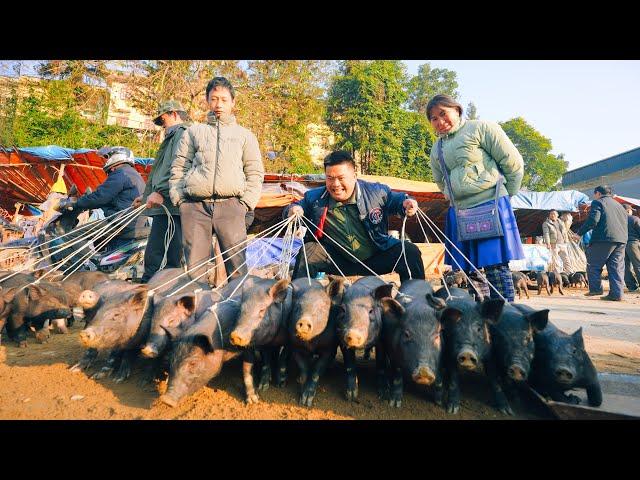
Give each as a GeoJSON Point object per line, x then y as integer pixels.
{"type": "Point", "coordinates": [431, 224]}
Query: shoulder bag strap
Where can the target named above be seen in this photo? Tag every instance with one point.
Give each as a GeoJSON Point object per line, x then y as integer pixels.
{"type": "Point", "coordinates": [445, 174]}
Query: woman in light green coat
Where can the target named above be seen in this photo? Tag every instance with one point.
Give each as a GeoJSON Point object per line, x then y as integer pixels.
{"type": "Point", "coordinates": [475, 154]}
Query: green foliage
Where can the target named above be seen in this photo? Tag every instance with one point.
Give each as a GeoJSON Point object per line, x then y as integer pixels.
{"type": "Point", "coordinates": [542, 169]}
{"type": "Point", "coordinates": [364, 110]}
{"type": "Point", "coordinates": [428, 83]}
{"type": "Point", "coordinates": [48, 116]}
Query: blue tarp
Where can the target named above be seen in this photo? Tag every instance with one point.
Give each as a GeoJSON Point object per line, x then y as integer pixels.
{"type": "Point", "coordinates": [54, 152]}
{"type": "Point", "coordinates": [261, 254]}
{"type": "Point", "coordinates": [563, 201]}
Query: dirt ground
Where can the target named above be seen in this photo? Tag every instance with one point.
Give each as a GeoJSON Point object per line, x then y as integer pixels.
{"type": "Point", "coordinates": [35, 382]}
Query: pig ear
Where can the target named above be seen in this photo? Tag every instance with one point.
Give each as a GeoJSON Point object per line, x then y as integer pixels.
{"type": "Point", "coordinates": [450, 315]}
{"type": "Point", "coordinates": [391, 309]}
{"type": "Point", "coordinates": [577, 338]}
{"type": "Point", "coordinates": [172, 332]}
{"type": "Point", "coordinates": [35, 293]}
{"type": "Point", "coordinates": [491, 309]}
{"type": "Point", "coordinates": [8, 294]}
{"type": "Point", "coordinates": [336, 289]}
{"type": "Point", "coordinates": [140, 296]}
{"type": "Point", "coordinates": [38, 273]}
{"type": "Point", "coordinates": [539, 320]}
{"type": "Point", "coordinates": [279, 291]}
{"type": "Point", "coordinates": [436, 302]}
{"type": "Point", "coordinates": [382, 291]}
{"type": "Point", "coordinates": [188, 303]}
{"type": "Point", "coordinates": [205, 342]}
{"type": "Point", "coordinates": [248, 283]}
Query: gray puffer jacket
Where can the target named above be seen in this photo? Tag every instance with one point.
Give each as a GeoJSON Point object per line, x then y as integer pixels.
{"type": "Point", "coordinates": [217, 160]}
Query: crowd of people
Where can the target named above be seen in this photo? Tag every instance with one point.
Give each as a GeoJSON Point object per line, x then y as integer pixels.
{"type": "Point", "coordinates": [208, 177]}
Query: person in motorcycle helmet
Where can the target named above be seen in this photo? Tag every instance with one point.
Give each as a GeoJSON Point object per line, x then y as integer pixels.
{"type": "Point", "coordinates": [116, 193]}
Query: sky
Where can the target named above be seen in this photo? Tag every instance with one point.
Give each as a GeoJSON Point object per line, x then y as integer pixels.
{"type": "Point", "coordinates": [590, 110]}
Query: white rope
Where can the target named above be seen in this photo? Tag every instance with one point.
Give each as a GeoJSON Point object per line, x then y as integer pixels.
{"type": "Point", "coordinates": [213, 309]}
{"type": "Point", "coordinates": [403, 253]}
{"type": "Point", "coordinates": [306, 260]}
{"type": "Point", "coordinates": [262, 250]}
{"type": "Point", "coordinates": [108, 227]}
{"type": "Point", "coordinates": [208, 260]}
{"type": "Point", "coordinates": [102, 244]}
{"type": "Point", "coordinates": [321, 246]}
{"type": "Point", "coordinates": [93, 225]}
{"type": "Point", "coordinates": [429, 221]}
{"type": "Point", "coordinates": [444, 280]}
{"type": "Point", "coordinates": [124, 221]}
{"type": "Point", "coordinates": [287, 250]}
{"type": "Point", "coordinates": [350, 254]}
{"type": "Point", "coordinates": [168, 236]}
{"type": "Point", "coordinates": [265, 250]}
{"type": "Point", "coordinates": [56, 266]}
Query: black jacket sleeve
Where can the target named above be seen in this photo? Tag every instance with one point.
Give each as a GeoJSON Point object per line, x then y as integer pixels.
{"type": "Point", "coordinates": [594, 218]}
{"type": "Point", "coordinates": [104, 194]}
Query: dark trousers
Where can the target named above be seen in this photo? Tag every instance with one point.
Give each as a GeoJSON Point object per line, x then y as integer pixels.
{"type": "Point", "coordinates": [610, 254]}
{"type": "Point", "coordinates": [382, 262]}
{"type": "Point", "coordinates": [631, 263]}
{"type": "Point", "coordinates": [227, 220]}
{"type": "Point", "coordinates": [154, 253]}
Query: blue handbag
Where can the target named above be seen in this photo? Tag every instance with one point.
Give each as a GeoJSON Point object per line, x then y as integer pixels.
{"type": "Point", "coordinates": [475, 223]}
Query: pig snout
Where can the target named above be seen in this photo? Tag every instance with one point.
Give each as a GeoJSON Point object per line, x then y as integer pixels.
{"type": "Point", "coordinates": [423, 375]}
{"type": "Point", "coordinates": [239, 338]}
{"type": "Point", "coordinates": [78, 313]}
{"type": "Point", "coordinates": [60, 325]}
{"type": "Point", "coordinates": [88, 299]}
{"type": "Point", "coordinates": [149, 351]}
{"type": "Point", "coordinates": [354, 338]}
{"type": "Point", "coordinates": [517, 373]}
{"type": "Point", "coordinates": [468, 360]}
{"type": "Point", "coordinates": [304, 327]}
{"type": "Point", "coordinates": [88, 337]}
{"type": "Point", "coordinates": [564, 375]}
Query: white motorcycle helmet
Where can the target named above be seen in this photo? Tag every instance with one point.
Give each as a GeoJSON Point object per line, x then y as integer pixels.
{"type": "Point", "coordinates": [116, 156]}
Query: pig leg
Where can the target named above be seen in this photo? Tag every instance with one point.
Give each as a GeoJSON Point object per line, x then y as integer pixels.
{"type": "Point", "coordinates": [309, 392]}
{"type": "Point", "coordinates": [283, 360]}
{"type": "Point", "coordinates": [248, 359]}
{"type": "Point", "coordinates": [265, 370]}
{"type": "Point", "coordinates": [594, 394]}
{"type": "Point", "coordinates": [302, 361]}
{"type": "Point", "coordinates": [109, 366]}
{"type": "Point", "coordinates": [124, 370]}
{"type": "Point", "coordinates": [349, 357]}
{"type": "Point", "coordinates": [560, 288]}
{"type": "Point", "coordinates": [526, 290]}
{"type": "Point", "coordinates": [86, 360]}
{"type": "Point", "coordinates": [501, 402]}
{"type": "Point", "coordinates": [367, 353]}
{"type": "Point", "coordinates": [549, 287]}
{"type": "Point", "coordinates": [453, 388]}
{"type": "Point", "coordinates": [395, 397]}
{"type": "Point", "coordinates": [559, 396]}
{"type": "Point", "coordinates": [381, 374]}
{"type": "Point", "coordinates": [437, 389]}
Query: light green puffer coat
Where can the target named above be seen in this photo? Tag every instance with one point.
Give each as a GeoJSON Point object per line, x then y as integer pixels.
{"type": "Point", "coordinates": [476, 152]}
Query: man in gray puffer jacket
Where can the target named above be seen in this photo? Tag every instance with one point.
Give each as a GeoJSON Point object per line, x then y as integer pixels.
{"type": "Point", "coordinates": [216, 178]}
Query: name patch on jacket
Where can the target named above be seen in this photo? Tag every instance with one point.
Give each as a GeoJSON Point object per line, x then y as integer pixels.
{"type": "Point", "coordinates": [375, 215]}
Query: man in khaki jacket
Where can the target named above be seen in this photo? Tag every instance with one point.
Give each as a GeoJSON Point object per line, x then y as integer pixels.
{"type": "Point", "coordinates": [216, 179]}
{"type": "Point", "coordinates": [555, 234]}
